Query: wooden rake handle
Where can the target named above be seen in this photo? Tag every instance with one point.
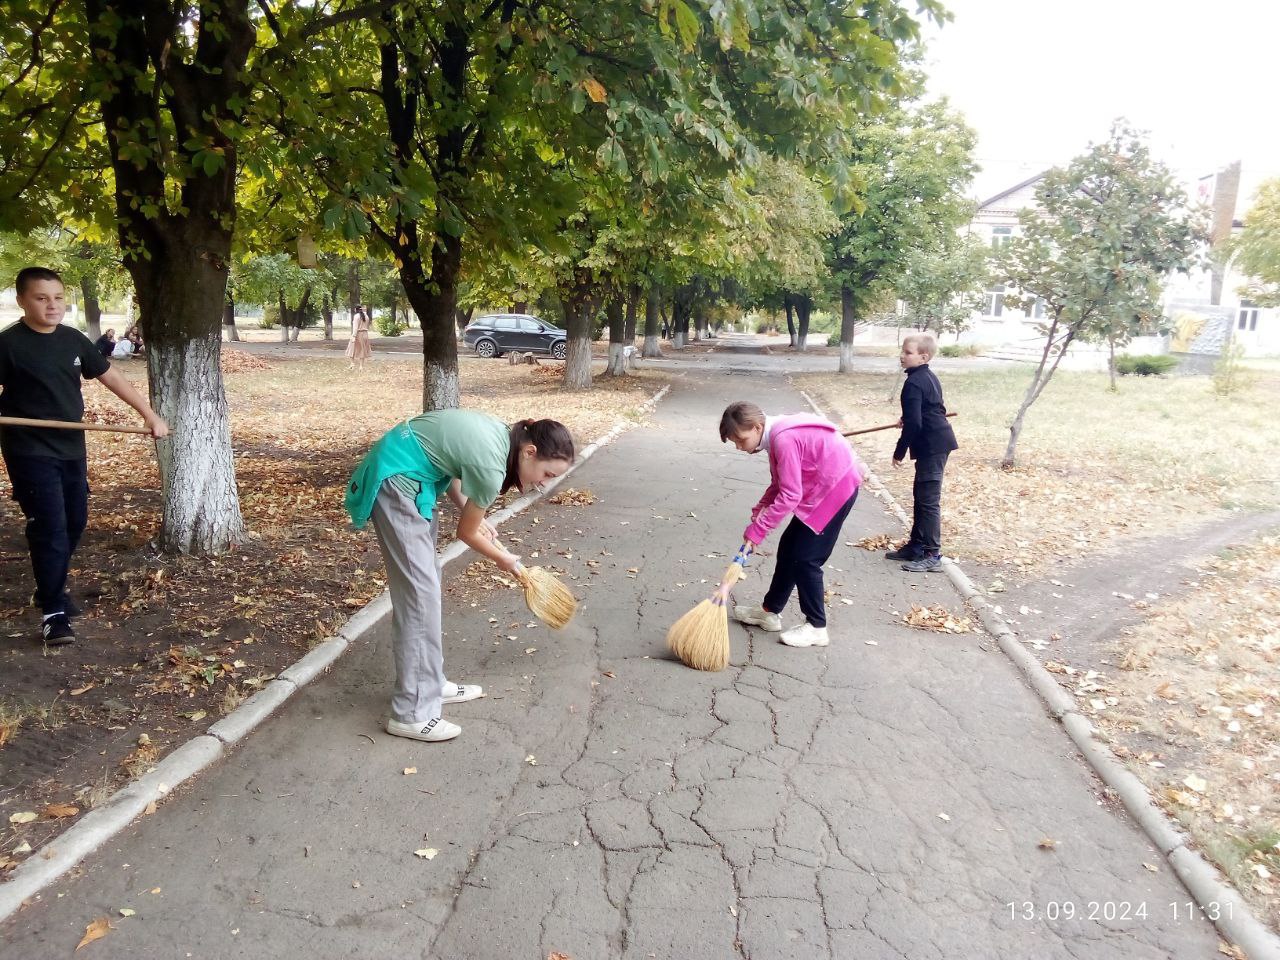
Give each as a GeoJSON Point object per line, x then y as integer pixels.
{"type": "Point", "coordinates": [71, 425]}
{"type": "Point", "coordinates": [883, 426]}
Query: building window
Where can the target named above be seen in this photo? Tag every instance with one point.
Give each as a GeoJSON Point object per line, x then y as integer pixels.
{"type": "Point", "coordinates": [1036, 310]}
{"type": "Point", "coordinates": [995, 302]}
{"type": "Point", "coordinates": [1247, 318]}
{"type": "Point", "coordinates": [1000, 236]}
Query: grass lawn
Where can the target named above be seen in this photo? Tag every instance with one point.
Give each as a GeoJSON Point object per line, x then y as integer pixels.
{"type": "Point", "coordinates": [1093, 466]}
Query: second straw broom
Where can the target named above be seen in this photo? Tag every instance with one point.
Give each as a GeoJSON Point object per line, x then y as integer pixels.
{"type": "Point", "coordinates": [701, 637]}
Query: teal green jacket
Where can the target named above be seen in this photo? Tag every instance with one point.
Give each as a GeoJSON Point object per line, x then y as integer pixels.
{"type": "Point", "coordinates": [397, 453]}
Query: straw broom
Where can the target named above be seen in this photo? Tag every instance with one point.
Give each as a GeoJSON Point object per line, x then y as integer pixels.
{"type": "Point", "coordinates": [701, 637]}
{"type": "Point", "coordinates": [546, 597]}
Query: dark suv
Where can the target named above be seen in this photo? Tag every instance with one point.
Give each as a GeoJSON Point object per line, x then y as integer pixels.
{"type": "Point", "coordinates": [498, 333]}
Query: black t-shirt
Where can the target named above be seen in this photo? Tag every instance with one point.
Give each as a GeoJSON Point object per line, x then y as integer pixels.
{"type": "Point", "coordinates": [40, 376]}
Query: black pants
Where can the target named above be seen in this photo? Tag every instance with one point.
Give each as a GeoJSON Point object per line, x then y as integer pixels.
{"type": "Point", "coordinates": [801, 554]}
{"type": "Point", "coordinates": [54, 497]}
{"type": "Point", "coordinates": [926, 527]}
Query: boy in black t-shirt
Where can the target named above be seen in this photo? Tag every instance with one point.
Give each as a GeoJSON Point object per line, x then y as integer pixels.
{"type": "Point", "coordinates": [41, 365]}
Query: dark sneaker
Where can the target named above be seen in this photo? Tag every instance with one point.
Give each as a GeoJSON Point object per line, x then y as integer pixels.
{"type": "Point", "coordinates": [905, 552]}
{"type": "Point", "coordinates": [57, 631]}
{"type": "Point", "coordinates": [924, 565]}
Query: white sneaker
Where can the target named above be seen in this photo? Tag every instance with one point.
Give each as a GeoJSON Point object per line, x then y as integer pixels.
{"type": "Point", "coordinates": [434, 730]}
{"type": "Point", "coordinates": [758, 617]}
{"type": "Point", "coordinates": [806, 635]}
{"type": "Point", "coordinates": [461, 692]}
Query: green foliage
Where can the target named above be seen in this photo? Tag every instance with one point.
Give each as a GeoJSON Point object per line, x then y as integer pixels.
{"type": "Point", "coordinates": [1255, 250]}
{"type": "Point", "coordinates": [388, 324]}
{"type": "Point", "coordinates": [1230, 376]}
{"type": "Point", "coordinates": [1145, 365]}
{"type": "Point", "coordinates": [942, 283]}
{"type": "Point", "coordinates": [960, 350]}
{"type": "Point", "coordinates": [915, 166]}
{"type": "Point", "coordinates": [833, 339]}
{"type": "Point", "coordinates": [270, 316]}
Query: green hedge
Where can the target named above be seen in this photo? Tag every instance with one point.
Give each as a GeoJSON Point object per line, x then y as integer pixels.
{"type": "Point", "coordinates": [1146, 364]}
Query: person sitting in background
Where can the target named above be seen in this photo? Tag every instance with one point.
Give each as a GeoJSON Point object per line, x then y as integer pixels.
{"type": "Point", "coordinates": [125, 347]}
{"type": "Point", "coordinates": [106, 343]}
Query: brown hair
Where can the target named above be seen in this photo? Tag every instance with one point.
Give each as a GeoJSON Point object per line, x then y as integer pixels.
{"type": "Point", "coordinates": [551, 437]}
{"type": "Point", "coordinates": [30, 275]}
{"type": "Point", "coordinates": [738, 417]}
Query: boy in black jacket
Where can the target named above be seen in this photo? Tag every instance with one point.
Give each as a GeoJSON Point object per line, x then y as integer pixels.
{"type": "Point", "coordinates": [929, 438]}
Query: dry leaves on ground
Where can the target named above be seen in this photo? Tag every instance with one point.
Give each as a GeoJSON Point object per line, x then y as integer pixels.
{"type": "Point", "coordinates": [879, 541]}
{"type": "Point", "coordinates": [95, 931]}
{"type": "Point", "coordinates": [937, 618]}
{"type": "Point", "coordinates": [573, 496]}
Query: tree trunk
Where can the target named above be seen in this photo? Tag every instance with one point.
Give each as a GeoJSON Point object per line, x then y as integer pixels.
{"type": "Point", "coordinates": [652, 319]}
{"type": "Point", "coordinates": [353, 292]}
{"type": "Point", "coordinates": [617, 366]}
{"type": "Point", "coordinates": [1111, 363]}
{"type": "Point", "coordinates": [284, 318]}
{"type": "Point", "coordinates": [848, 320]}
{"type": "Point", "coordinates": [1038, 382]}
{"type": "Point", "coordinates": [579, 309]}
{"type": "Point", "coordinates": [791, 323]}
{"type": "Point", "coordinates": [520, 306]}
{"type": "Point", "coordinates": [804, 306]}
{"type": "Point", "coordinates": [435, 301]}
{"type": "Point", "coordinates": [326, 311]}
{"type": "Point", "coordinates": [229, 331]}
{"type": "Point", "coordinates": [461, 318]}
{"type": "Point", "coordinates": [92, 308]}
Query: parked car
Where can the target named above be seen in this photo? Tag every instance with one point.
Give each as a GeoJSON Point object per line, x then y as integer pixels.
{"type": "Point", "coordinates": [497, 333]}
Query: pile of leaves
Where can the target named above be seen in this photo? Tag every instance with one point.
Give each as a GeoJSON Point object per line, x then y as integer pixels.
{"type": "Point", "coordinates": [573, 496]}
{"type": "Point", "coordinates": [879, 541]}
{"type": "Point", "coordinates": [936, 617]}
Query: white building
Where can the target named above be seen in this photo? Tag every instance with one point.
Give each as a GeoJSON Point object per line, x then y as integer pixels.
{"type": "Point", "coordinates": [1190, 300]}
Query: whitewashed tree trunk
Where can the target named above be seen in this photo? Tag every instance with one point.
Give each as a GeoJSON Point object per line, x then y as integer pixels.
{"type": "Point", "coordinates": [440, 389]}
{"type": "Point", "coordinates": [617, 361]}
{"type": "Point", "coordinates": [801, 340]}
{"type": "Point", "coordinates": [651, 348]}
{"type": "Point", "coordinates": [201, 512]}
{"type": "Point", "coordinates": [577, 364]}
{"type": "Point", "coordinates": [677, 340]}
{"type": "Point", "coordinates": [846, 357]}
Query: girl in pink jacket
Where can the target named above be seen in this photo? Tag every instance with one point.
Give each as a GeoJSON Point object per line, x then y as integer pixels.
{"type": "Point", "coordinates": [815, 478]}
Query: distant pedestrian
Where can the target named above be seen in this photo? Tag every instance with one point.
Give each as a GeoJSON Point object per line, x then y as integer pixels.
{"type": "Point", "coordinates": [106, 343]}
{"type": "Point", "coordinates": [928, 437]}
{"type": "Point", "coordinates": [472, 457]}
{"type": "Point", "coordinates": [41, 365]}
{"type": "Point", "coordinates": [814, 478]}
{"type": "Point", "coordinates": [358, 348]}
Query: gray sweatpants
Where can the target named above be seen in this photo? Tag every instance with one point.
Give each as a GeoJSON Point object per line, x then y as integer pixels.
{"type": "Point", "coordinates": [409, 548]}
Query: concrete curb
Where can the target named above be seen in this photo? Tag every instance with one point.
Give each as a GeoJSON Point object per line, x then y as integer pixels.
{"type": "Point", "coordinates": [99, 825]}
{"type": "Point", "coordinates": [1218, 900]}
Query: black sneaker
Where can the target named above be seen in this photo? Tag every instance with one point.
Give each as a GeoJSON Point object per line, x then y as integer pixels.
{"type": "Point", "coordinates": [905, 552]}
{"type": "Point", "coordinates": [57, 631]}
{"type": "Point", "coordinates": [932, 564]}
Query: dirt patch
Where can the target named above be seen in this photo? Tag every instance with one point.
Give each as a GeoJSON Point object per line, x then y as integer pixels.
{"type": "Point", "coordinates": [1171, 649]}
{"type": "Point", "coordinates": [169, 644]}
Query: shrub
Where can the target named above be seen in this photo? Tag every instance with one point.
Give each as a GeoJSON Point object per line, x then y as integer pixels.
{"type": "Point", "coordinates": [1229, 374]}
{"type": "Point", "coordinates": [387, 325]}
{"type": "Point", "coordinates": [270, 316]}
{"type": "Point", "coordinates": [1145, 364]}
{"type": "Point", "coordinates": [833, 339]}
{"type": "Point", "coordinates": [958, 350]}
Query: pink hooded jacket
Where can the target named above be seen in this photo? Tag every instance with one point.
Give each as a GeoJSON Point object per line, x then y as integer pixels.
{"type": "Point", "coordinates": [814, 472]}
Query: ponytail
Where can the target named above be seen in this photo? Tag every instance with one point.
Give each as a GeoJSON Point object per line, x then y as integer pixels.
{"type": "Point", "coordinates": [551, 438]}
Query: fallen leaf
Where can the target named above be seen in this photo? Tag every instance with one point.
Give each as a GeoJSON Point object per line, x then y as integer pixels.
{"type": "Point", "coordinates": [155, 889]}
{"type": "Point", "coordinates": [1047, 843]}
{"type": "Point", "coordinates": [1198, 784]}
{"type": "Point", "coordinates": [557, 955]}
{"type": "Point", "coordinates": [943, 816]}
{"type": "Point", "coordinates": [531, 760]}
{"type": "Point", "coordinates": [150, 809]}
{"type": "Point", "coordinates": [426, 853]}
{"type": "Point", "coordinates": [95, 931]}
{"type": "Point", "coordinates": [85, 689]}
{"type": "Point", "coordinates": [26, 816]}
{"type": "Point", "coordinates": [610, 674]}
{"type": "Point", "coordinates": [23, 847]}
{"type": "Point", "coordinates": [126, 912]}
{"type": "Point", "coordinates": [409, 771]}
{"type": "Point", "coordinates": [1152, 867]}
{"type": "Point", "coordinates": [57, 811]}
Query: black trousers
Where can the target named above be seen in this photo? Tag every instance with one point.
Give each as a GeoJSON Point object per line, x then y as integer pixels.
{"type": "Point", "coordinates": [54, 497]}
{"type": "Point", "coordinates": [801, 554]}
{"type": "Point", "coordinates": [926, 527]}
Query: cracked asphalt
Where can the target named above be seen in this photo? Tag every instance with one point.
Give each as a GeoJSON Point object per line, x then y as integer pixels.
{"type": "Point", "coordinates": [884, 797]}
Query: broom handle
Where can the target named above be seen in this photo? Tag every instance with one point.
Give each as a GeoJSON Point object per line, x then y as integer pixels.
{"type": "Point", "coordinates": [883, 426]}
{"type": "Point", "coordinates": [733, 573]}
{"type": "Point", "coordinates": [71, 425]}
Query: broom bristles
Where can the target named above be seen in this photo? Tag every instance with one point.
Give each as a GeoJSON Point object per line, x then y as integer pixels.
{"type": "Point", "coordinates": [701, 637]}
{"type": "Point", "coordinates": [547, 598]}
